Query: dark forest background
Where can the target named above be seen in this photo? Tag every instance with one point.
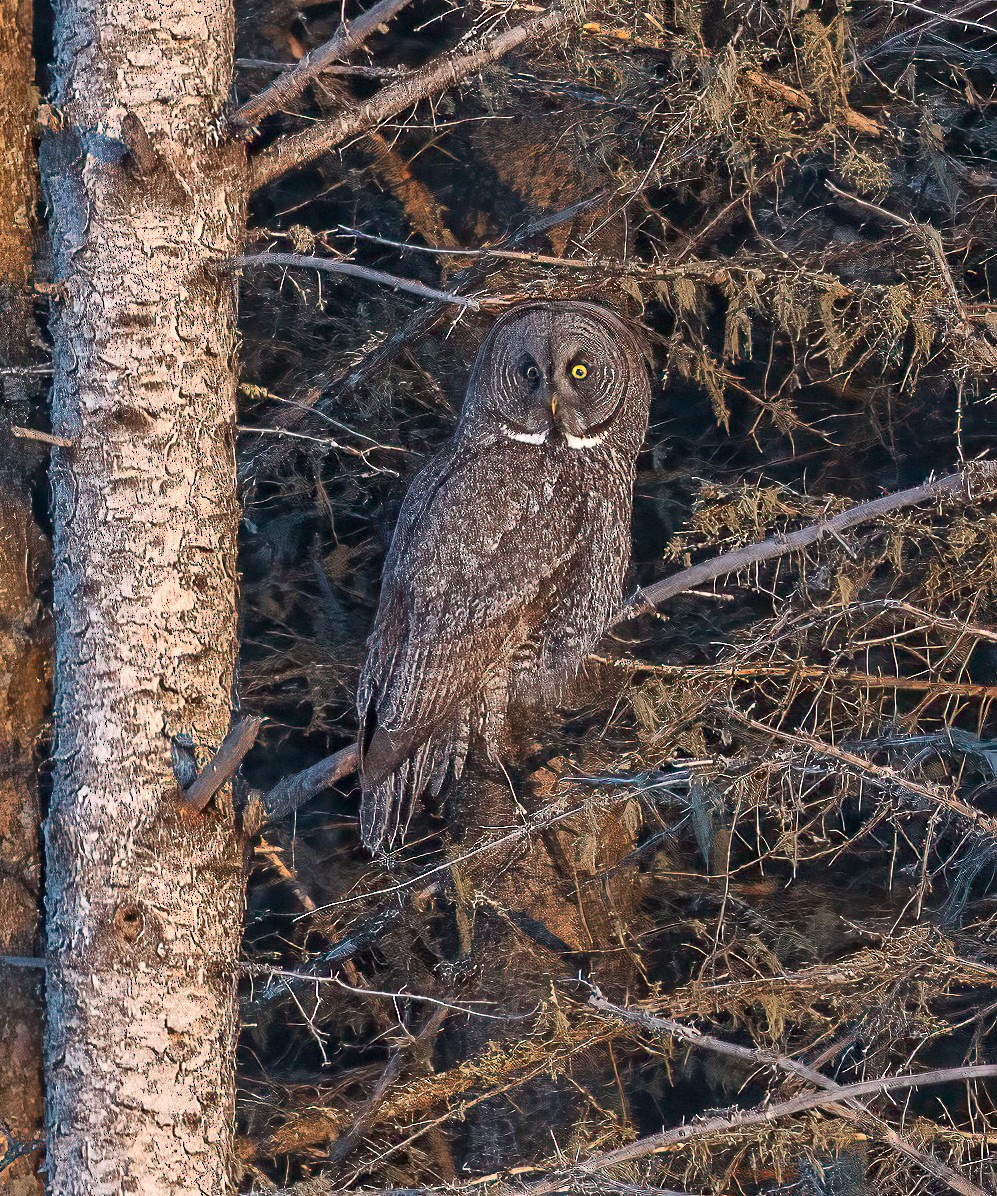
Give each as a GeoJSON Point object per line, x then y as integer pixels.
{"type": "Point", "coordinates": [764, 824]}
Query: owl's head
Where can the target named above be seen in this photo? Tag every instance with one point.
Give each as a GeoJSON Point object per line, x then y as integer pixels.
{"type": "Point", "coordinates": [566, 372]}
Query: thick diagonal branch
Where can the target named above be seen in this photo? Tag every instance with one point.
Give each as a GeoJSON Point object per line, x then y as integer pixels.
{"type": "Point", "coordinates": [286, 88]}
{"type": "Point", "coordinates": [297, 149]}
{"type": "Point", "coordinates": [666, 1140]}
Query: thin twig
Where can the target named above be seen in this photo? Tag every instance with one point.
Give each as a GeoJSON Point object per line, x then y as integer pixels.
{"type": "Point", "coordinates": [928, 235]}
{"type": "Point", "coordinates": [251, 969]}
{"type": "Point", "coordinates": [296, 149]}
{"type": "Point", "coordinates": [42, 437]}
{"type": "Point", "coordinates": [286, 88]}
{"type": "Point", "coordinates": [362, 934]}
{"type": "Point", "coordinates": [800, 672]}
{"type": "Point", "coordinates": [352, 270]}
{"type": "Point", "coordinates": [512, 255]}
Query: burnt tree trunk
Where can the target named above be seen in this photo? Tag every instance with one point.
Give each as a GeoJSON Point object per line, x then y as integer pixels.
{"type": "Point", "coordinates": [144, 900]}
{"type": "Point", "coordinates": [24, 650]}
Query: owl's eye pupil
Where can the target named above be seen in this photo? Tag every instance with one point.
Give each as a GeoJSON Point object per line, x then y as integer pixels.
{"type": "Point", "coordinates": [579, 370]}
{"type": "Point", "coordinates": [531, 372]}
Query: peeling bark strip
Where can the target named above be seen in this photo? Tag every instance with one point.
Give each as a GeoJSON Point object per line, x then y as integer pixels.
{"type": "Point", "coordinates": [144, 902]}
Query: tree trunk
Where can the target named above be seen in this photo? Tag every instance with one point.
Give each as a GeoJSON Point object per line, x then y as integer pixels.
{"type": "Point", "coordinates": [24, 650]}
{"type": "Point", "coordinates": [144, 900]}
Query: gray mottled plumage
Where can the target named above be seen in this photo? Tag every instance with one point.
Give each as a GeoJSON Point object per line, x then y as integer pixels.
{"type": "Point", "coordinates": [508, 558]}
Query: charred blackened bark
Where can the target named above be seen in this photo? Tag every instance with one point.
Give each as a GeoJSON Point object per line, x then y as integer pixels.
{"type": "Point", "coordinates": [144, 901]}
{"type": "Point", "coordinates": [24, 649]}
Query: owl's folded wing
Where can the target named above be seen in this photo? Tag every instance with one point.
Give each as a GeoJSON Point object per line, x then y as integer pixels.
{"type": "Point", "coordinates": [465, 581]}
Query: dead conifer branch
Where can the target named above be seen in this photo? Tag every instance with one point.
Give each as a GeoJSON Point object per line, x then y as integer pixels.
{"type": "Point", "coordinates": [880, 774]}
{"type": "Point", "coordinates": [739, 672]}
{"type": "Point", "coordinates": [487, 251]}
{"type": "Point", "coordinates": [299, 148]}
{"type": "Point", "coordinates": [292, 792]}
{"type": "Point", "coordinates": [287, 87]}
{"type": "Point", "coordinates": [757, 1058]}
{"type": "Point", "coordinates": [918, 954]}
{"type": "Point", "coordinates": [965, 486]}
{"type": "Point", "coordinates": [352, 270]}
{"type": "Point", "coordinates": [668, 1140]}
{"type": "Point", "coordinates": [928, 236]}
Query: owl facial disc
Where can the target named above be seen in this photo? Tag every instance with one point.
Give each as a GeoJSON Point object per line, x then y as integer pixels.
{"type": "Point", "coordinates": [556, 373]}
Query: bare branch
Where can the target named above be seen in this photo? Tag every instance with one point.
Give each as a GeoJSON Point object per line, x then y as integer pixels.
{"type": "Point", "coordinates": [288, 86]}
{"type": "Point", "coordinates": [299, 148]}
{"type": "Point", "coordinates": [367, 72]}
{"type": "Point", "coordinates": [290, 793]}
{"type": "Point", "coordinates": [15, 1149]}
{"type": "Point", "coordinates": [963, 486]}
{"type": "Point", "coordinates": [853, 1110]}
{"type": "Point", "coordinates": [224, 763]}
{"type": "Point", "coordinates": [571, 1178]}
{"type": "Point", "coordinates": [362, 934]}
{"type": "Point", "coordinates": [708, 1127]}
{"type": "Point", "coordinates": [352, 270]}
{"type": "Point", "coordinates": [888, 778]}
{"type": "Point", "coordinates": [488, 251]}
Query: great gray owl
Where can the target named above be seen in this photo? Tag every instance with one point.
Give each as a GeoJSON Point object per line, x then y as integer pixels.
{"type": "Point", "coordinates": [508, 557]}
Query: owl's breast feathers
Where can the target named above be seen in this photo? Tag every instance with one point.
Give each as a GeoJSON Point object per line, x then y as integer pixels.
{"type": "Point", "coordinates": [505, 566]}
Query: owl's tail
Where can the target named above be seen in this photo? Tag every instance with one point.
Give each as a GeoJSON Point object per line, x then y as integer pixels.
{"type": "Point", "coordinates": [381, 811]}
{"type": "Point", "coordinates": [394, 774]}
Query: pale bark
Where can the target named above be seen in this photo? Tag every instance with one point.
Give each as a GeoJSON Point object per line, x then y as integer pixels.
{"type": "Point", "coordinates": [144, 898]}
{"type": "Point", "coordinates": [24, 650]}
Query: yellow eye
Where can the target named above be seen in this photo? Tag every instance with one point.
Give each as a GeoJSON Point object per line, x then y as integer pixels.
{"type": "Point", "coordinates": [579, 371]}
